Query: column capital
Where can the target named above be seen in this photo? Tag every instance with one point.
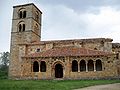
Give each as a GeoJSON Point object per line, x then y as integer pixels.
{"type": "Point", "coordinates": [86, 61]}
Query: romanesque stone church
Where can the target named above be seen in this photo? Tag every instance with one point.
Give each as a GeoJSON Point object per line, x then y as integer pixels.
{"type": "Point", "coordinates": [32, 58]}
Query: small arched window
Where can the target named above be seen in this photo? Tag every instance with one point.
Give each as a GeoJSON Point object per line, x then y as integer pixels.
{"type": "Point", "coordinates": [35, 67]}
{"type": "Point", "coordinates": [21, 27]}
{"type": "Point", "coordinates": [74, 66]}
{"type": "Point", "coordinates": [22, 13]}
{"type": "Point", "coordinates": [43, 66]}
{"type": "Point", "coordinates": [36, 16]}
{"type": "Point", "coordinates": [36, 28]}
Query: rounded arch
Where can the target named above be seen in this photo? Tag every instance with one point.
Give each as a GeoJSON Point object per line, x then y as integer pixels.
{"type": "Point", "coordinates": [21, 9]}
{"type": "Point", "coordinates": [21, 26]}
{"type": "Point", "coordinates": [90, 65]}
{"type": "Point", "coordinates": [21, 22]}
{"type": "Point", "coordinates": [58, 62]}
{"type": "Point", "coordinates": [74, 66]}
{"type": "Point", "coordinates": [43, 66]}
{"type": "Point", "coordinates": [58, 70]}
{"type": "Point", "coordinates": [98, 65]}
{"type": "Point", "coordinates": [37, 16]}
{"type": "Point", "coordinates": [22, 13]}
{"type": "Point", "coordinates": [36, 28]}
{"type": "Point", "coordinates": [82, 65]}
{"type": "Point", "coordinates": [35, 66]}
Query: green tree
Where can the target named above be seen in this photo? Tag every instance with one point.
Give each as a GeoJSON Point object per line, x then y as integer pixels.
{"type": "Point", "coordinates": [4, 63]}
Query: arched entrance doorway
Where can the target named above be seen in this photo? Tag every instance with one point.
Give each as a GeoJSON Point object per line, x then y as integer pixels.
{"type": "Point", "coordinates": [58, 71]}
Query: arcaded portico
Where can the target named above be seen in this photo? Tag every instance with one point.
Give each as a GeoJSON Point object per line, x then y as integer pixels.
{"type": "Point", "coordinates": [58, 67]}
{"type": "Point", "coordinates": [64, 62]}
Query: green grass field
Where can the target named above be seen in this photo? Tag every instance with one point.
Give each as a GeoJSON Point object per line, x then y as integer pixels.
{"type": "Point", "coordinates": [50, 84]}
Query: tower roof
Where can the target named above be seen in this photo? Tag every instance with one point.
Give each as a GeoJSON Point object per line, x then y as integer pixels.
{"type": "Point", "coordinates": [27, 5]}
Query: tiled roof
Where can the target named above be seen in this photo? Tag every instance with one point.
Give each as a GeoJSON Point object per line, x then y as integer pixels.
{"type": "Point", "coordinates": [69, 51]}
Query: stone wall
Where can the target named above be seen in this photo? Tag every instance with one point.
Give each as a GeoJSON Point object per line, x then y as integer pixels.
{"type": "Point", "coordinates": [109, 69]}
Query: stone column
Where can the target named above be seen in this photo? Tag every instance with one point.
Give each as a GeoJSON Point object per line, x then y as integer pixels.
{"type": "Point", "coordinates": [78, 66]}
{"type": "Point", "coordinates": [102, 65]}
{"type": "Point", "coordinates": [39, 66]}
{"type": "Point", "coordinates": [86, 66]}
{"type": "Point", "coordinates": [32, 67]}
{"type": "Point", "coordinates": [94, 62]}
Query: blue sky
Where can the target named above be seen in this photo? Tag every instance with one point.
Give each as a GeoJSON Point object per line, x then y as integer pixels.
{"type": "Point", "coordinates": [67, 19]}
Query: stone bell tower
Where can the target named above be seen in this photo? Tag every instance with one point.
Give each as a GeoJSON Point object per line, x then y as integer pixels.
{"type": "Point", "coordinates": [26, 28]}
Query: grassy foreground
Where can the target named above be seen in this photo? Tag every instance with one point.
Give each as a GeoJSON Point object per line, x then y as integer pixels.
{"type": "Point", "coordinates": [50, 84]}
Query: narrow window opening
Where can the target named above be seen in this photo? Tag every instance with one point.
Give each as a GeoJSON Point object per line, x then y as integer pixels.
{"type": "Point", "coordinates": [24, 14]}
{"type": "Point", "coordinates": [98, 65]}
{"type": "Point", "coordinates": [43, 66]}
{"type": "Point", "coordinates": [82, 65]}
{"type": "Point", "coordinates": [20, 14]}
{"type": "Point", "coordinates": [90, 65]}
{"type": "Point", "coordinates": [74, 66]}
{"type": "Point", "coordinates": [23, 27]}
{"type": "Point", "coordinates": [35, 67]}
{"type": "Point", "coordinates": [37, 16]}
{"type": "Point", "coordinates": [20, 27]}
{"type": "Point", "coordinates": [36, 28]}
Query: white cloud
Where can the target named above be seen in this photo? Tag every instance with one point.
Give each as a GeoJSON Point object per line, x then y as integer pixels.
{"type": "Point", "coordinates": [104, 24]}
{"type": "Point", "coordinates": [61, 22]}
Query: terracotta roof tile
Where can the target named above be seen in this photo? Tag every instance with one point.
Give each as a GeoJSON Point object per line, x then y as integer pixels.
{"type": "Point", "coordinates": [69, 51]}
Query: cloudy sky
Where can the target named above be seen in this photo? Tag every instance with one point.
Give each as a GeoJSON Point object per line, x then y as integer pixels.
{"type": "Point", "coordinates": [67, 19]}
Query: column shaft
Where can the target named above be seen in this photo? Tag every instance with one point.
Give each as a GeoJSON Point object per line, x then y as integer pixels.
{"type": "Point", "coordinates": [94, 65]}
{"type": "Point", "coordinates": [86, 66]}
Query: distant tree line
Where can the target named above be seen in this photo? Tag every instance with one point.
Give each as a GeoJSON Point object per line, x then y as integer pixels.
{"type": "Point", "coordinates": [4, 64]}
